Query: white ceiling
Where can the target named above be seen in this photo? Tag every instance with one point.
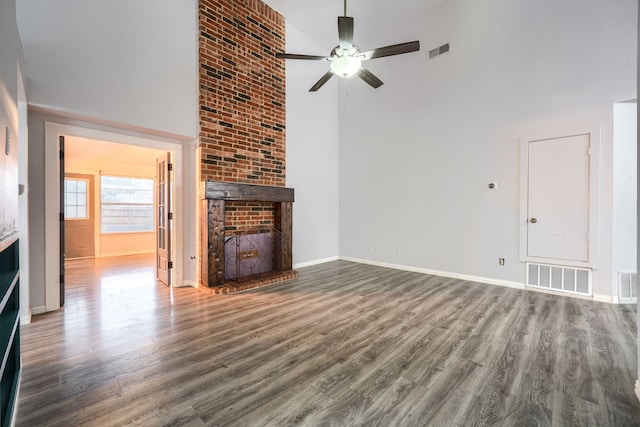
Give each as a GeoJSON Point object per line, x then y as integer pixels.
{"type": "Point", "coordinates": [377, 23]}
{"type": "Point", "coordinates": [109, 152]}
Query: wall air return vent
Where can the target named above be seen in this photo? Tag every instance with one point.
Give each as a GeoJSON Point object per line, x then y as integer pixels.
{"type": "Point", "coordinates": [438, 51]}
{"type": "Point", "coordinates": [627, 286]}
{"type": "Point", "coordinates": [559, 278]}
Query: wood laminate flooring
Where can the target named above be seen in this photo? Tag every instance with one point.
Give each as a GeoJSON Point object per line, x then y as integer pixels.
{"type": "Point", "coordinates": [344, 344]}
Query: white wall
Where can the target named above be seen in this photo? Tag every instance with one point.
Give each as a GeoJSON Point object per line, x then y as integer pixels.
{"type": "Point", "coordinates": [624, 190]}
{"type": "Point", "coordinates": [416, 154]}
{"type": "Point", "coordinates": [129, 62]}
{"type": "Point", "coordinates": [312, 154]}
{"type": "Point", "coordinates": [23, 200]}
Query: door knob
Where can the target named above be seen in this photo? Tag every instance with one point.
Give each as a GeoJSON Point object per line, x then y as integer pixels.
{"type": "Point", "coordinates": [533, 220]}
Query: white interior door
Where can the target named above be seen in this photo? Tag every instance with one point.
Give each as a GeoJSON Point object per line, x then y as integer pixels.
{"type": "Point", "coordinates": [558, 198]}
{"type": "Point", "coordinates": [163, 218]}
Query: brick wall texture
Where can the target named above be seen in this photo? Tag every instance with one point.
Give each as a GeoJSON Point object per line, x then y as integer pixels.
{"type": "Point", "coordinates": [242, 92]}
{"type": "Point", "coordinates": [241, 217]}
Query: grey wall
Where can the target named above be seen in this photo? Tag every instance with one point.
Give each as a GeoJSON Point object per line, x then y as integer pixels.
{"type": "Point", "coordinates": [10, 57]}
{"type": "Point", "coordinates": [118, 66]}
{"type": "Point", "coordinates": [12, 115]}
{"type": "Point", "coordinates": [416, 155]}
{"type": "Point", "coordinates": [133, 65]}
{"type": "Point", "coordinates": [127, 62]}
{"type": "Point", "coordinates": [38, 189]}
{"type": "Point", "coordinates": [638, 199]}
{"type": "Point", "coordinates": [312, 155]}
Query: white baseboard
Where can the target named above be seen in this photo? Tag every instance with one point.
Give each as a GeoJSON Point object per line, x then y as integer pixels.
{"type": "Point", "coordinates": [315, 262]}
{"type": "Point", "coordinates": [26, 319]}
{"type": "Point", "coordinates": [609, 299]}
{"type": "Point", "coordinates": [38, 310]}
{"type": "Point", "coordinates": [469, 278]}
{"type": "Point", "coordinates": [489, 281]}
{"type": "Point", "coordinates": [550, 291]}
{"type": "Point", "coordinates": [637, 389]}
{"type": "Point", "coordinates": [187, 283]}
{"type": "Point", "coordinates": [116, 254]}
{"type": "Point", "coordinates": [627, 300]}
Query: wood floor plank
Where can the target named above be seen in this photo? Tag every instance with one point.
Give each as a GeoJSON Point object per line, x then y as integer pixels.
{"type": "Point", "coordinates": [445, 390]}
{"type": "Point", "coordinates": [299, 410]}
{"type": "Point", "coordinates": [575, 374]}
{"type": "Point", "coordinates": [344, 344]}
{"type": "Point", "coordinates": [570, 410]}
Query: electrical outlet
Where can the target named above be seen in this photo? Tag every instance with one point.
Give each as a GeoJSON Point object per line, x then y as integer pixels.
{"type": "Point", "coordinates": [371, 246]}
{"type": "Point", "coordinates": [501, 261]}
{"type": "Point", "coordinates": [397, 251]}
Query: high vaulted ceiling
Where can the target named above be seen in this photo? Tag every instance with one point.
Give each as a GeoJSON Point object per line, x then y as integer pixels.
{"type": "Point", "coordinates": [377, 23]}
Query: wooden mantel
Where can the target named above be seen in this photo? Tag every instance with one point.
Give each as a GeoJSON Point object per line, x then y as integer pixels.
{"type": "Point", "coordinates": [215, 194]}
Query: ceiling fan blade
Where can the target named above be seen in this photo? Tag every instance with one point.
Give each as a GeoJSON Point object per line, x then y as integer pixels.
{"type": "Point", "coordinates": [298, 56]}
{"type": "Point", "coordinates": [368, 77]}
{"type": "Point", "coordinates": [396, 49]}
{"type": "Point", "coordinates": [322, 81]}
{"type": "Point", "coordinates": [345, 32]}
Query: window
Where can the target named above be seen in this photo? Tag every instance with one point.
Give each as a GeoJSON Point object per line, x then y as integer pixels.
{"type": "Point", "coordinates": [126, 204]}
{"type": "Point", "coordinates": [75, 198]}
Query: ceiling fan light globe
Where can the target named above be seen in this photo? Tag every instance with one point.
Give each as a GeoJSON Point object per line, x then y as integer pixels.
{"type": "Point", "coordinates": [345, 66]}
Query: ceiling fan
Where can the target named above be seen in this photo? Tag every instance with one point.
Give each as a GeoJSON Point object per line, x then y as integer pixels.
{"type": "Point", "coordinates": [346, 58]}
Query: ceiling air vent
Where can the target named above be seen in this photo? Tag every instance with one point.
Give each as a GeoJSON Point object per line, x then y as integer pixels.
{"type": "Point", "coordinates": [438, 51]}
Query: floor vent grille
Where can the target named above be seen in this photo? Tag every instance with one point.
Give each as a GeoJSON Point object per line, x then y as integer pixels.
{"type": "Point", "coordinates": [628, 285]}
{"type": "Point", "coordinates": [559, 278]}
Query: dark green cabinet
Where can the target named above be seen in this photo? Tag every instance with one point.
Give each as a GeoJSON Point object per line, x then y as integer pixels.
{"type": "Point", "coordinates": [9, 331]}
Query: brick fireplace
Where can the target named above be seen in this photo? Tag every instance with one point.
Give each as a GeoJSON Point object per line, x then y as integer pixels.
{"type": "Point", "coordinates": [242, 132]}
{"type": "Point", "coordinates": [214, 256]}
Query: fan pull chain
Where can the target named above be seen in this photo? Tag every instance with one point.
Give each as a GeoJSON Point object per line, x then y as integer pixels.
{"type": "Point", "coordinates": [346, 93]}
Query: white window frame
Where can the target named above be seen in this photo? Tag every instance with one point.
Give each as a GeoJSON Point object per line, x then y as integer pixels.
{"type": "Point", "coordinates": [88, 207]}
{"type": "Point", "coordinates": [151, 205]}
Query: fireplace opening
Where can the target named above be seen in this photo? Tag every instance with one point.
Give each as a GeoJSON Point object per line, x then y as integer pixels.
{"type": "Point", "coordinates": [252, 253]}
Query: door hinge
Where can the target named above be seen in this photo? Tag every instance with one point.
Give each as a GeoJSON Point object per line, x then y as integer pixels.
{"type": "Point", "coordinates": [61, 216]}
{"type": "Point", "coordinates": [170, 265]}
{"type": "Point", "coordinates": [170, 215]}
{"type": "Point", "coordinates": [170, 166]}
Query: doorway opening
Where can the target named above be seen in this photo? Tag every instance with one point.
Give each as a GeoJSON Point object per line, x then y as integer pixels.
{"type": "Point", "coordinates": [102, 154]}
{"type": "Point", "coordinates": [111, 194]}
